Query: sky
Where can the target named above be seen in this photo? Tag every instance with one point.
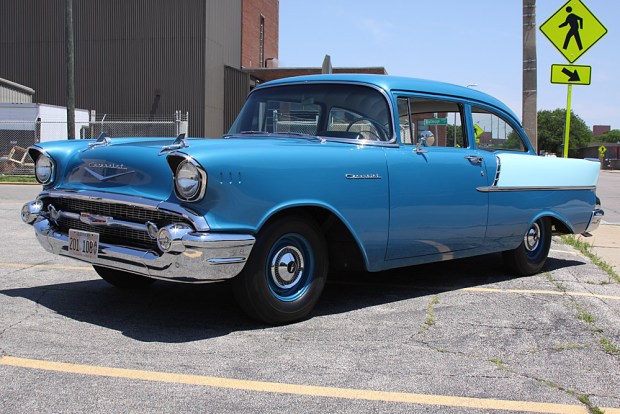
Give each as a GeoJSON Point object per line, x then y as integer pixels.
{"type": "Point", "coordinates": [474, 42]}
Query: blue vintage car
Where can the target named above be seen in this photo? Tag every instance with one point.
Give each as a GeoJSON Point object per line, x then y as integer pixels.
{"type": "Point", "coordinates": [317, 174]}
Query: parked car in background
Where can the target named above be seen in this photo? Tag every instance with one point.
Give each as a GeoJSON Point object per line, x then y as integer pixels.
{"type": "Point", "coordinates": [317, 174]}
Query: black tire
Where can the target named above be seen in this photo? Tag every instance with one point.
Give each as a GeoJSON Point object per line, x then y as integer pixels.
{"type": "Point", "coordinates": [123, 280]}
{"type": "Point", "coordinates": [531, 255]}
{"type": "Point", "coordinates": [288, 292]}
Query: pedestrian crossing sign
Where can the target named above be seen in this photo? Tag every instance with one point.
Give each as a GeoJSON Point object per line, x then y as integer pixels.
{"type": "Point", "coordinates": [573, 29]}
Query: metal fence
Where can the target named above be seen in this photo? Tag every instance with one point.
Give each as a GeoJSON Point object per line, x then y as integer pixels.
{"type": "Point", "coordinates": [17, 136]}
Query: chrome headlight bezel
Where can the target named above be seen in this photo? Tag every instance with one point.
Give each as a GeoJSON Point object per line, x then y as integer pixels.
{"type": "Point", "coordinates": [49, 168]}
{"type": "Point", "coordinates": [190, 180]}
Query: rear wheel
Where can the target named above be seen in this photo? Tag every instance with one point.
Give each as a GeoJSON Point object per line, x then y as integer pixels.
{"type": "Point", "coordinates": [121, 279]}
{"type": "Point", "coordinates": [531, 255]}
{"type": "Point", "coordinates": [286, 272]}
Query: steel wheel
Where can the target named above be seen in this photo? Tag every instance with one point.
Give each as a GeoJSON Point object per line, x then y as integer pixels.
{"type": "Point", "coordinates": [531, 255]}
{"type": "Point", "coordinates": [286, 272]}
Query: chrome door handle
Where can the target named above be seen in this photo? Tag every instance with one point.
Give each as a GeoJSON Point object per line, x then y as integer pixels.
{"type": "Point", "coordinates": [474, 159]}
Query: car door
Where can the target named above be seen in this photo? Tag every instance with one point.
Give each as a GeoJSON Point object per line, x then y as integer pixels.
{"type": "Point", "coordinates": [435, 208]}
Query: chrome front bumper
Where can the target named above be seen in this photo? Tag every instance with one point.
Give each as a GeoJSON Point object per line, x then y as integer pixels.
{"type": "Point", "coordinates": [199, 256]}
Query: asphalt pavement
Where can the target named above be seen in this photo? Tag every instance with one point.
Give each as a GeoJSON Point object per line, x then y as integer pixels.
{"type": "Point", "coordinates": [453, 337]}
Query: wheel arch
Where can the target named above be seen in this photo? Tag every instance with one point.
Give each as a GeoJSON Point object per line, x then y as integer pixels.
{"type": "Point", "coordinates": [344, 248]}
{"type": "Point", "coordinates": [559, 224]}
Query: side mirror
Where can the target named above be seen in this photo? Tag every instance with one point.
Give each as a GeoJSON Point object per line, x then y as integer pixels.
{"type": "Point", "coordinates": [421, 143]}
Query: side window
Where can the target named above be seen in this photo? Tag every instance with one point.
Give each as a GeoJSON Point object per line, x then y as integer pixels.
{"type": "Point", "coordinates": [439, 122]}
{"type": "Point", "coordinates": [406, 128]}
{"type": "Point", "coordinates": [494, 133]}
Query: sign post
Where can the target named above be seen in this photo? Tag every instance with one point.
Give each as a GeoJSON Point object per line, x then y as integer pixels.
{"type": "Point", "coordinates": [573, 30]}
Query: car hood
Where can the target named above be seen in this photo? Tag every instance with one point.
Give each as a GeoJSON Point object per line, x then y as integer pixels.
{"type": "Point", "coordinates": [138, 166]}
{"type": "Point", "coordinates": [125, 166]}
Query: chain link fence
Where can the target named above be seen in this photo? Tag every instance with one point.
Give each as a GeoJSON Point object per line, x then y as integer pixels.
{"type": "Point", "coordinates": [17, 136]}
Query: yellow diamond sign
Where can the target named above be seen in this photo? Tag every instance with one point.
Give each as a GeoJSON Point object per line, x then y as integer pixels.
{"type": "Point", "coordinates": [573, 29]}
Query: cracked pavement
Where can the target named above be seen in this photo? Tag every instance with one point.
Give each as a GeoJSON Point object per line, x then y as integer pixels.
{"type": "Point", "coordinates": [519, 339]}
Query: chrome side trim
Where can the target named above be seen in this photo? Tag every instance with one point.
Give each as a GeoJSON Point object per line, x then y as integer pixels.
{"type": "Point", "coordinates": [195, 218]}
{"type": "Point", "coordinates": [373, 176]}
{"type": "Point", "coordinates": [201, 258]}
{"type": "Point", "coordinates": [515, 189]}
{"type": "Point", "coordinates": [497, 171]}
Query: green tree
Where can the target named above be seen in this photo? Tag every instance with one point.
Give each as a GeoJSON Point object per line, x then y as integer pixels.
{"type": "Point", "coordinates": [551, 126]}
{"type": "Point", "coordinates": [611, 136]}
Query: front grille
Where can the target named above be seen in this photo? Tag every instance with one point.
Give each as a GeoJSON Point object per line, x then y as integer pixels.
{"type": "Point", "coordinates": [113, 235]}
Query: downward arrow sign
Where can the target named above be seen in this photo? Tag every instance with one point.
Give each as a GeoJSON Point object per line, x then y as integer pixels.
{"type": "Point", "coordinates": [572, 76]}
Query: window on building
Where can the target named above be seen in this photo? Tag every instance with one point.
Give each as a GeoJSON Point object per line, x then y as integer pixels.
{"type": "Point", "coordinates": [262, 42]}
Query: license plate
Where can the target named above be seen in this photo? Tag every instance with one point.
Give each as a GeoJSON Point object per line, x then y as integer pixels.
{"type": "Point", "coordinates": [83, 244]}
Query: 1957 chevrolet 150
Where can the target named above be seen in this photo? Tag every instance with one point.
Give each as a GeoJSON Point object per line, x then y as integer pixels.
{"type": "Point", "coordinates": [317, 173]}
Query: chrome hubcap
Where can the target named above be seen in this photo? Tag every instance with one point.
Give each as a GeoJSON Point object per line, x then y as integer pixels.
{"type": "Point", "coordinates": [287, 267]}
{"type": "Point", "coordinates": [532, 238]}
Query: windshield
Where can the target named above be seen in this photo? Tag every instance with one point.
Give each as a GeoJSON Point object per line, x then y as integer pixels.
{"type": "Point", "coordinates": [338, 111]}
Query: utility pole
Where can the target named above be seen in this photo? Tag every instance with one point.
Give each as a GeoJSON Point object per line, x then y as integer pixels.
{"type": "Point", "coordinates": [70, 59]}
{"type": "Point", "coordinates": [530, 111]}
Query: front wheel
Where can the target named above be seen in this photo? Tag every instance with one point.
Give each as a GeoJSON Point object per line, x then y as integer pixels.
{"type": "Point", "coordinates": [286, 272]}
{"type": "Point", "coordinates": [531, 255]}
{"type": "Point", "coordinates": [123, 280]}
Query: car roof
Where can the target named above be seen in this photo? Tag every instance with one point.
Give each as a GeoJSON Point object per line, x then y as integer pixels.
{"type": "Point", "coordinates": [397, 83]}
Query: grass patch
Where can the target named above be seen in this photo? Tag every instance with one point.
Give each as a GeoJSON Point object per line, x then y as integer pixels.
{"type": "Point", "coordinates": [586, 249]}
{"type": "Point", "coordinates": [5, 178]}
{"type": "Point", "coordinates": [559, 286]}
{"type": "Point", "coordinates": [583, 398]}
{"type": "Point", "coordinates": [609, 347]}
{"type": "Point", "coordinates": [500, 363]}
{"type": "Point", "coordinates": [585, 316]}
{"type": "Point", "coordinates": [430, 315]}
{"type": "Point", "coordinates": [567, 347]}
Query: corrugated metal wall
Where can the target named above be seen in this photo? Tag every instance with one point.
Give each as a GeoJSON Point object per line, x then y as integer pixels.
{"type": "Point", "coordinates": [237, 87]}
{"type": "Point", "coordinates": [11, 92]}
{"type": "Point", "coordinates": [132, 56]}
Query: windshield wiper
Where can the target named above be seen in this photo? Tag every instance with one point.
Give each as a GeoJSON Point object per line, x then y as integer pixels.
{"type": "Point", "coordinates": [277, 134]}
{"type": "Point", "coordinates": [246, 133]}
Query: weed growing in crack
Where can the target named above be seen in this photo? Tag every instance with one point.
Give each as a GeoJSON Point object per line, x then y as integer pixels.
{"type": "Point", "coordinates": [430, 315]}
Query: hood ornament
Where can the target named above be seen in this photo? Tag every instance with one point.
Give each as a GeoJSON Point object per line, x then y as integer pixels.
{"type": "Point", "coordinates": [102, 141]}
{"type": "Point", "coordinates": [178, 143]}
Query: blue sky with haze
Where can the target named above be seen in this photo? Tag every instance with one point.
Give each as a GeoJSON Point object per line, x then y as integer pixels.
{"type": "Point", "coordinates": [462, 42]}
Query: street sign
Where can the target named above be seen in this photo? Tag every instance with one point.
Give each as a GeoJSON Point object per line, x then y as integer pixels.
{"type": "Point", "coordinates": [436, 121]}
{"type": "Point", "coordinates": [478, 131]}
{"type": "Point", "coordinates": [573, 29]}
{"type": "Point", "coordinates": [571, 74]}
{"type": "Point", "coordinates": [602, 150]}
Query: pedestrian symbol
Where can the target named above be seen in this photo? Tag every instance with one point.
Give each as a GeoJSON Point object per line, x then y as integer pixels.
{"type": "Point", "coordinates": [576, 23]}
{"type": "Point", "coordinates": [573, 29]}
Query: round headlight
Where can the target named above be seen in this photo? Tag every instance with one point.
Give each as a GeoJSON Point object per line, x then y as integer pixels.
{"type": "Point", "coordinates": [44, 169]}
{"type": "Point", "coordinates": [188, 181]}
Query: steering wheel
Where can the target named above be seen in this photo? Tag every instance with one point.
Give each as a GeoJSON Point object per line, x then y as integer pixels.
{"type": "Point", "coordinates": [374, 133]}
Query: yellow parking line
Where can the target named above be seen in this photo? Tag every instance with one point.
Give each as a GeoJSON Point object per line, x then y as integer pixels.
{"type": "Point", "coordinates": [39, 266]}
{"type": "Point", "coordinates": [476, 289]}
{"type": "Point", "coordinates": [540, 292]}
{"type": "Point", "coordinates": [307, 390]}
